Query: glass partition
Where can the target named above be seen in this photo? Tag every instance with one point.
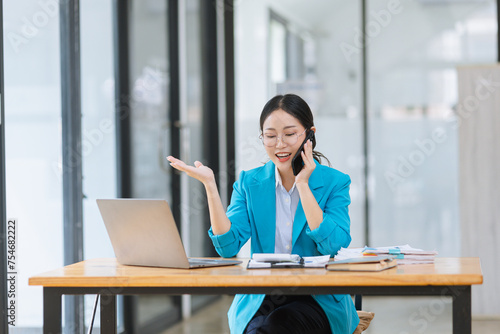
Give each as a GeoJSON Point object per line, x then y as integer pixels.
{"type": "Point", "coordinates": [98, 130]}
{"type": "Point", "coordinates": [150, 127]}
{"type": "Point", "coordinates": [194, 203]}
{"type": "Point", "coordinates": [33, 146]}
{"type": "Point", "coordinates": [412, 98]}
{"type": "Point", "coordinates": [413, 51]}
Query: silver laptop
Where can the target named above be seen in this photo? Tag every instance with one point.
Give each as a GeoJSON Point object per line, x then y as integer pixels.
{"type": "Point", "coordinates": [143, 233]}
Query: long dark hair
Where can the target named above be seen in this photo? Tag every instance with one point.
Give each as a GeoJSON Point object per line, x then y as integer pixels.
{"type": "Point", "coordinates": [298, 108]}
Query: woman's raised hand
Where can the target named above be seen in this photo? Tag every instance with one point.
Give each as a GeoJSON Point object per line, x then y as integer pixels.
{"type": "Point", "coordinates": [218, 219]}
{"type": "Point", "coordinates": [200, 172]}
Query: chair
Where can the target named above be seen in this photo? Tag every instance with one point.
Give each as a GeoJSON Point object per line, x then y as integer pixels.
{"type": "Point", "coordinates": [364, 317]}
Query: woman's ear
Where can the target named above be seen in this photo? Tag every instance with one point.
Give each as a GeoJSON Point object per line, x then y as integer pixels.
{"type": "Point", "coordinates": [313, 139]}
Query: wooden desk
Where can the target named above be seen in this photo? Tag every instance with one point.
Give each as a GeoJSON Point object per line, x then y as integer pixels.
{"type": "Point", "coordinates": [446, 277]}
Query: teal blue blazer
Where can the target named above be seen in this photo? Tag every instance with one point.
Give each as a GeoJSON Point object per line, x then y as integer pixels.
{"type": "Point", "coordinates": [252, 213]}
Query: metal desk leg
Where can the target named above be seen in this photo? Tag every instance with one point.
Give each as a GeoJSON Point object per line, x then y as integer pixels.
{"type": "Point", "coordinates": [462, 311]}
{"type": "Point", "coordinates": [108, 313]}
{"type": "Point", "coordinates": [51, 311]}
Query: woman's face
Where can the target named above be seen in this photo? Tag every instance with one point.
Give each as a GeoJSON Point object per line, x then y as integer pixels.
{"type": "Point", "coordinates": [288, 133]}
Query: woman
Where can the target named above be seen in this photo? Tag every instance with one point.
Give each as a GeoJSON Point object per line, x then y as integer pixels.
{"type": "Point", "coordinates": [304, 214]}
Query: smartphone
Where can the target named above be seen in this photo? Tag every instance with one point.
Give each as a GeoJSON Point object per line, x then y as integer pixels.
{"type": "Point", "coordinates": [297, 162]}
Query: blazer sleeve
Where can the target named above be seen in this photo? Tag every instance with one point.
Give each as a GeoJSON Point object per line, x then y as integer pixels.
{"type": "Point", "coordinates": [334, 231]}
{"type": "Point", "coordinates": [230, 243]}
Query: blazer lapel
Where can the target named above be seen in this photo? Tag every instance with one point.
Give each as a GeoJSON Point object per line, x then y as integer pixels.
{"type": "Point", "coordinates": [316, 186]}
{"type": "Point", "coordinates": [263, 195]}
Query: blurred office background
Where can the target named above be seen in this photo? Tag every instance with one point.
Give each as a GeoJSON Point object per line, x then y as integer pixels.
{"type": "Point", "coordinates": [190, 78]}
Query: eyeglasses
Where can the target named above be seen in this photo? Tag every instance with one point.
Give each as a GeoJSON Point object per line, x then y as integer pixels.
{"type": "Point", "coordinates": [287, 138]}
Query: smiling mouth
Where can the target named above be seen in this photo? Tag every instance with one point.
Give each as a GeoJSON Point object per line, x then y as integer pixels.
{"type": "Point", "coordinates": [282, 157]}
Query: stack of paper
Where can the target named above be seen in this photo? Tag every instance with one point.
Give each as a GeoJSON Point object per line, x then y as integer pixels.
{"type": "Point", "coordinates": [349, 253]}
{"type": "Point", "coordinates": [272, 260]}
{"type": "Point", "coordinates": [404, 254]}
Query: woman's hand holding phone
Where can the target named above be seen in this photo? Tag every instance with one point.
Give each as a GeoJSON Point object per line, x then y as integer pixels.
{"type": "Point", "coordinates": [308, 163]}
{"type": "Point", "coordinates": [298, 161]}
{"type": "Point", "coordinates": [314, 214]}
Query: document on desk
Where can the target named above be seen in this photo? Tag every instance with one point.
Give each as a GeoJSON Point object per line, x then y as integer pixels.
{"type": "Point", "coordinates": [405, 254]}
{"type": "Point", "coordinates": [272, 260]}
{"type": "Point", "coordinates": [370, 263]}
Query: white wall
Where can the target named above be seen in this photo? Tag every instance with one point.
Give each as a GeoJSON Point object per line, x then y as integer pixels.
{"type": "Point", "coordinates": [478, 125]}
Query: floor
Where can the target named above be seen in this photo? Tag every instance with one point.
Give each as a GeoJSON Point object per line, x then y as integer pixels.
{"type": "Point", "coordinates": [401, 315]}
